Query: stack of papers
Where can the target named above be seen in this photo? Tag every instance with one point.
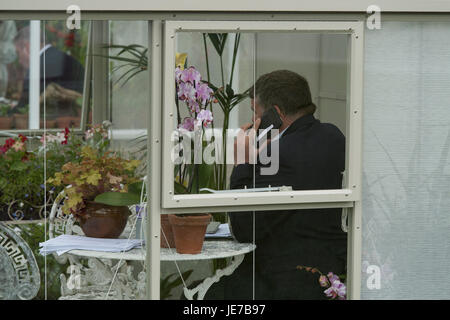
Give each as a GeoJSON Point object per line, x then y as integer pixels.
{"type": "Point", "coordinates": [222, 232]}
{"type": "Point", "coordinates": [65, 243]}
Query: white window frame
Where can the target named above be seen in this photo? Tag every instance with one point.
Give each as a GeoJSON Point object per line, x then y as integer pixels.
{"type": "Point", "coordinates": [277, 200]}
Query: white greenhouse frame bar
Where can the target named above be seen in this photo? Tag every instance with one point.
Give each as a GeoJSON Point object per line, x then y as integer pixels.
{"type": "Point", "coordinates": [325, 13]}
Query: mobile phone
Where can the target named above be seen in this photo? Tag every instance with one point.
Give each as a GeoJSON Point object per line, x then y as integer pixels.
{"type": "Point", "coordinates": [270, 117]}
{"type": "Point", "coordinates": [269, 120]}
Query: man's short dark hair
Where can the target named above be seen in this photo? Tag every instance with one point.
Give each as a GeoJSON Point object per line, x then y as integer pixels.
{"type": "Point", "coordinates": [286, 89]}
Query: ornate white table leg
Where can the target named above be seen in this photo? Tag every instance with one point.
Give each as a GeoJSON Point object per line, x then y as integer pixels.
{"type": "Point", "coordinates": [99, 278]}
{"type": "Point", "coordinates": [203, 287]}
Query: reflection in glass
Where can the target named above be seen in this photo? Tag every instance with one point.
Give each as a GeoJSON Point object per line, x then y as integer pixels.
{"type": "Point", "coordinates": [129, 81]}
{"type": "Point", "coordinates": [51, 57]}
{"type": "Point", "coordinates": [28, 161]}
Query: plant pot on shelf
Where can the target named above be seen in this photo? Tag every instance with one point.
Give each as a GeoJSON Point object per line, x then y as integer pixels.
{"type": "Point", "coordinates": [49, 124]}
{"type": "Point", "coordinates": [20, 121]}
{"type": "Point", "coordinates": [189, 232]}
{"type": "Point", "coordinates": [166, 230]}
{"type": "Point", "coordinates": [67, 122]}
{"type": "Point", "coordinates": [5, 123]}
{"type": "Point", "coordinates": [99, 220]}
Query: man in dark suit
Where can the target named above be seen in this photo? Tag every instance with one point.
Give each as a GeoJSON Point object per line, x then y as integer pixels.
{"type": "Point", "coordinates": [311, 157]}
{"type": "Point", "coordinates": [56, 67]}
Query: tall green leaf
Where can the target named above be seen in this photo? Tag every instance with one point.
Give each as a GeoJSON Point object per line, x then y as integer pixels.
{"type": "Point", "coordinates": [219, 41]}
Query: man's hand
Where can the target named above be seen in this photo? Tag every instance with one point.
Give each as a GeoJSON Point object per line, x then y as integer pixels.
{"type": "Point", "coordinates": [244, 144]}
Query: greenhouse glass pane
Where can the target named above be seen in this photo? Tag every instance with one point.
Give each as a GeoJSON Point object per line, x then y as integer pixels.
{"type": "Point", "coordinates": [406, 161]}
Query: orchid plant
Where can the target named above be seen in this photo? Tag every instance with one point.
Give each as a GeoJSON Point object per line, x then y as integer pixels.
{"type": "Point", "coordinates": [335, 288]}
{"type": "Point", "coordinates": [195, 94]}
{"type": "Point", "coordinates": [204, 95]}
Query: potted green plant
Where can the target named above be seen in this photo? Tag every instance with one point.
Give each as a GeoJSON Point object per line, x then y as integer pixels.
{"type": "Point", "coordinates": [133, 197]}
{"type": "Point", "coordinates": [5, 120]}
{"type": "Point", "coordinates": [189, 229]}
{"type": "Point", "coordinates": [95, 174]}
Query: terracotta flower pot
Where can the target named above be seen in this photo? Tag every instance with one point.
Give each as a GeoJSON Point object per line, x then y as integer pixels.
{"type": "Point", "coordinates": [166, 227]}
{"type": "Point", "coordinates": [49, 124]}
{"type": "Point", "coordinates": [99, 220]}
{"type": "Point", "coordinates": [5, 122]}
{"type": "Point", "coordinates": [189, 232]}
{"type": "Point", "coordinates": [20, 121]}
{"type": "Point", "coordinates": [67, 122]}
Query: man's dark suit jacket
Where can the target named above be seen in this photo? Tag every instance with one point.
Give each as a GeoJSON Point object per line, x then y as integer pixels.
{"type": "Point", "coordinates": [60, 68]}
{"type": "Point", "coordinates": [312, 157]}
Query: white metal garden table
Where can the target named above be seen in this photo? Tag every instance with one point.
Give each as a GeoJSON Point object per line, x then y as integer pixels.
{"type": "Point", "coordinates": [111, 275]}
{"type": "Point", "coordinates": [212, 249]}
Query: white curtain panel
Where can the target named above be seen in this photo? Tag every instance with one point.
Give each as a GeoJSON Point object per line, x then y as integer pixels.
{"type": "Point", "coordinates": [406, 161]}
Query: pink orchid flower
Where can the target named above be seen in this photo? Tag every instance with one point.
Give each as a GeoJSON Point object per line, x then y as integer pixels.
{"type": "Point", "coordinates": [188, 124]}
{"type": "Point", "coordinates": [205, 117]}
{"type": "Point", "coordinates": [186, 91]}
{"type": "Point", "coordinates": [190, 75]}
{"type": "Point", "coordinates": [337, 289]}
{"type": "Point", "coordinates": [204, 93]}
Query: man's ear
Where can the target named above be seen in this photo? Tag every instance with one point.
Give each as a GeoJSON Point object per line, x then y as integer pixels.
{"type": "Point", "coordinates": [281, 114]}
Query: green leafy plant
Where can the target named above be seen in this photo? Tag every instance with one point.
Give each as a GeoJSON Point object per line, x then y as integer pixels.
{"type": "Point", "coordinates": [20, 173]}
{"type": "Point", "coordinates": [4, 108]}
{"type": "Point", "coordinates": [131, 197]}
{"type": "Point", "coordinates": [134, 58]}
{"type": "Point", "coordinates": [93, 175]}
{"type": "Point", "coordinates": [224, 94]}
{"type": "Point", "coordinates": [23, 110]}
